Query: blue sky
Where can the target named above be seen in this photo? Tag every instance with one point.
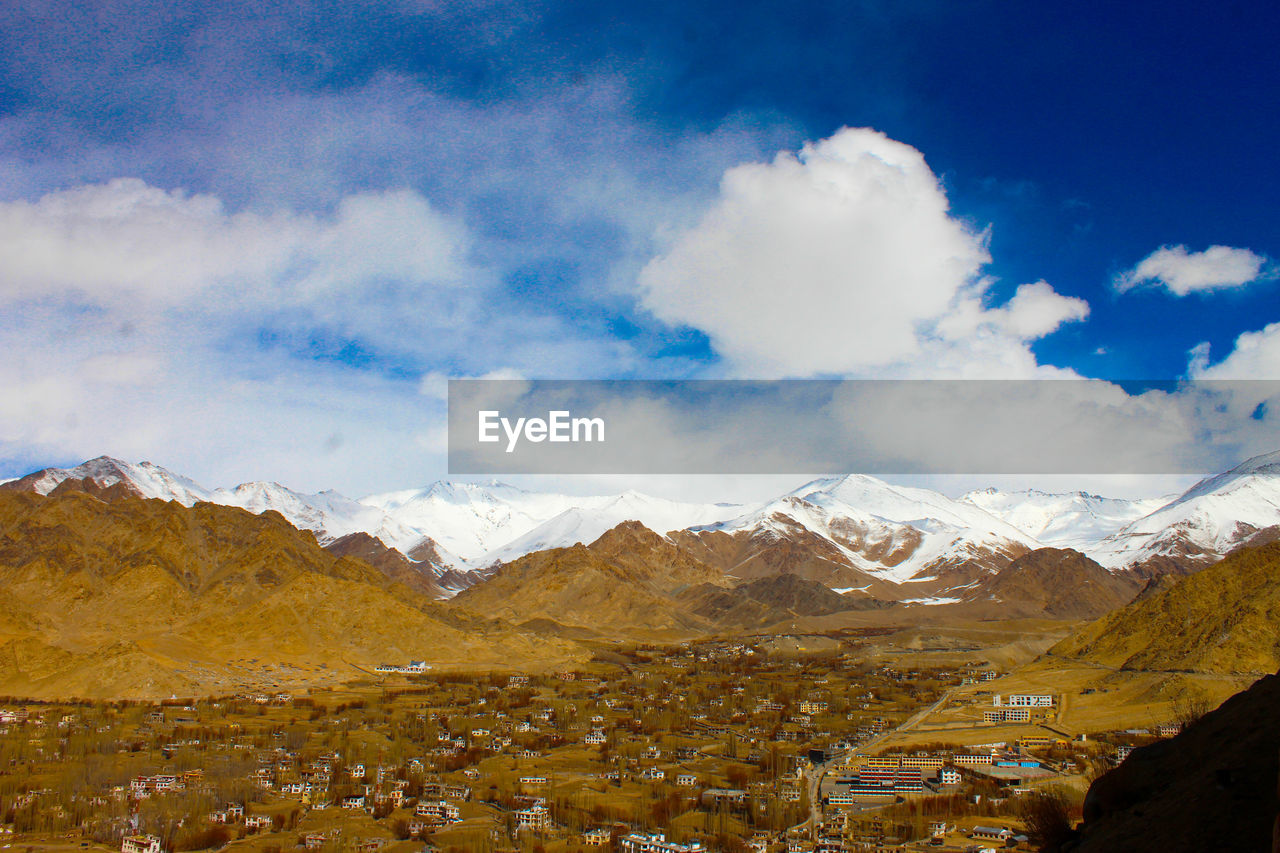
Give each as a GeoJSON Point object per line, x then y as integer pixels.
{"type": "Point", "coordinates": [251, 240]}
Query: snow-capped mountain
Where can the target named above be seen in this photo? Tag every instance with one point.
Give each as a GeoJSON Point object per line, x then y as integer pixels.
{"type": "Point", "coordinates": [894, 533]}
{"type": "Point", "coordinates": [143, 478]}
{"type": "Point", "coordinates": [329, 515]}
{"type": "Point", "coordinates": [469, 519]}
{"type": "Point", "coordinates": [1203, 523]}
{"type": "Point", "coordinates": [589, 521]}
{"type": "Point", "coordinates": [850, 533]}
{"type": "Point", "coordinates": [1062, 520]}
{"type": "Point", "coordinates": [483, 524]}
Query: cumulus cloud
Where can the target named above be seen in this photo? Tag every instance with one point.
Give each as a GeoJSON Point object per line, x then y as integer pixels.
{"type": "Point", "coordinates": [127, 242]}
{"type": "Point", "coordinates": [1036, 310]}
{"type": "Point", "coordinates": [845, 259]}
{"type": "Point", "coordinates": [972, 341]}
{"type": "Point", "coordinates": [1182, 272]}
{"type": "Point", "coordinates": [147, 322]}
{"type": "Point", "coordinates": [1256, 355]}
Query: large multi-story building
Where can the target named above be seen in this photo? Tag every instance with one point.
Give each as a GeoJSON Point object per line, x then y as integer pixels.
{"type": "Point", "coordinates": [639, 842]}
{"type": "Point", "coordinates": [889, 775]}
{"type": "Point", "coordinates": [438, 811]}
{"type": "Point", "coordinates": [1007, 715]}
{"type": "Point", "coordinates": [534, 817]}
{"type": "Point", "coordinates": [1023, 700]}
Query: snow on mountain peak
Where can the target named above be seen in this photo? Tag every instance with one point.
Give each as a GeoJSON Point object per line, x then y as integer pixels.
{"type": "Point", "coordinates": [147, 479]}
{"type": "Point", "coordinates": [1265, 468]}
{"type": "Point", "coordinates": [872, 522]}
{"type": "Point", "coordinates": [889, 531]}
{"type": "Point", "coordinates": [907, 505]}
{"type": "Point", "coordinates": [483, 524]}
{"type": "Point", "coordinates": [1062, 519]}
{"type": "Point", "coordinates": [1205, 521]}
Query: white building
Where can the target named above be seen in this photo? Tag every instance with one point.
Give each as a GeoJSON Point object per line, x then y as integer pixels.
{"type": "Point", "coordinates": [534, 817]}
{"type": "Point", "coordinates": [140, 844]}
{"type": "Point", "coordinates": [438, 811]}
{"type": "Point", "coordinates": [1024, 700]}
{"type": "Point", "coordinates": [655, 843]}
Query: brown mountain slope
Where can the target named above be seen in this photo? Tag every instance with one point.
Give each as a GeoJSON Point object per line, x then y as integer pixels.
{"type": "Point", "coordinates": [1225, 618]}
{"type": "Point", "coordinates": [1211, 788]}
{"type": "Point", "coordinates": [765, 601]}
{"type": "Point", "coordinates": [389, 561]}
{"type": "Point", "coordinates": [147, 598]}
{"type": "Point", "coordinates": [637, 549]}
{"type": "Point", "coordinates": [1056, 582]}
{"type": "Point", "coordinates": [624, 581]}
{"type": "Point", "coordinates": [751, 554]}
{"type": "Point", "coordinates": [728, 607]}
{"type": "Point", "coordinates": [103, 477]}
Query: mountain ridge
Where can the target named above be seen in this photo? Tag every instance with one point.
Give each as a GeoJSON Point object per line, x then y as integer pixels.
{"type": "Point", "coordinates": [144, 597]}
{"type": "Point", "coordinates": [1222, 619]}
{"type": "Point", "coordinates": [851, 532]}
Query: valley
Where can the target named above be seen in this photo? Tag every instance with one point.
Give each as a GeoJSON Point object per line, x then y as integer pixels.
{"type": "Point", "coordinates": [854, 666]}
{"type": "Point", "coordinates": [732, 744]}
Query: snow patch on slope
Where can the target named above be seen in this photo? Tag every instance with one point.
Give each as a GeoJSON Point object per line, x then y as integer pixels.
{"type": "Point", "coordinates": [151, 481]}
{"type": "Point", "coordinates": [1062, 520]}
{"type": "Point", "coordinates": [497, 522]}
{"type": "Point", "coordinates": [924, 527]}
{"type": "Point", "coordinates": [1213, 516]}
{"type": "Point", "coordinates": [329, 515]}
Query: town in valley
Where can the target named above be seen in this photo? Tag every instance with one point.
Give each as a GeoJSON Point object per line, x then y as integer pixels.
{"type": "Point", "coordinates": [802, 744]}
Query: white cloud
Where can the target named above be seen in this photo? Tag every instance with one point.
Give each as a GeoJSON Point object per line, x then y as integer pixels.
{"type": "Point", "coordinates": [152, 324]}
{"type": "Point", "coordinates": [128, 243]}
{"type": "Point", "coordinates": [435, 384]}
{"type": "Point", "coordinates": [845, 259]}
{"type": "Point", "coordinates": [1183, 272]}
{"type": "Point", "coordinates": [1036, 310]}
{"type": "Point", "coordinates": [127, 240]}
{"type": "Point", "coordinates": [1256, 355]}
{"type": "Point", "coordinates": [974, 342]}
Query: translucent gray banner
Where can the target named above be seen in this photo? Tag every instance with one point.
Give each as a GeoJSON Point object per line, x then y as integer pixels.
{"type": "Point", "coordinates": [866, 426]}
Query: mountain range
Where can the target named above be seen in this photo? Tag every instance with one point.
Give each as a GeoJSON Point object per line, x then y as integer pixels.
{"type": "Point", "coordinates": [128, 574]}
{"type": "Point", "coordinates": [107, 594]}
{"type": "Point", "coordinates": [856, 535]}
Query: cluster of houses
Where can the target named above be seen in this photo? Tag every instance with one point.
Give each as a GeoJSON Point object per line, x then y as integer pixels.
{"type": "Point", "coordinates": [872, 831]}
{"type": "Point", "coordinates": [895, 775]}
{"type": "Point", "coordinates": [456, 726]}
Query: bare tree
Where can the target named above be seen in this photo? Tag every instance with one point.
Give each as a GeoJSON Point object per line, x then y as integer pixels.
{"type": "Point", "coordinates": [1050, 814]}
{"type": "Point", "coordinates": [1189, 708]}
